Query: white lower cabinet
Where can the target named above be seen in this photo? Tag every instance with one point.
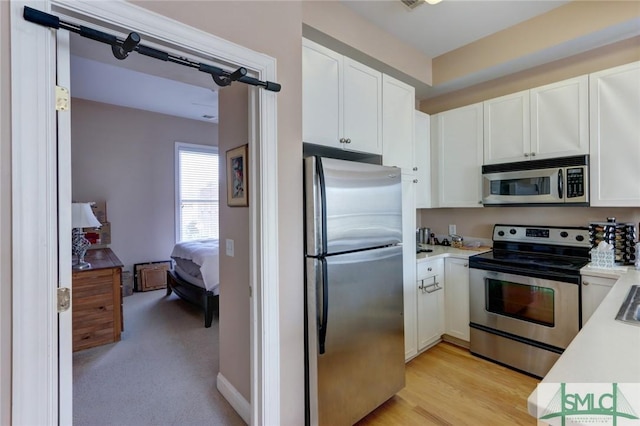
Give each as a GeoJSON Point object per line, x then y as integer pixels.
{"type": "Point", "coordinates": [430, 301]}
{"type": "Point", "coordinates": [594, 290]}
{"type": "Point", "coordinates": [456, 298]}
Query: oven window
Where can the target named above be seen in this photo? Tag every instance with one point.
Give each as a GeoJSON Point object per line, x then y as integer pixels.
{"type": "Point", "coordinates": [524, 186]}
{"type": "Point", "coordinates": [526, 302]}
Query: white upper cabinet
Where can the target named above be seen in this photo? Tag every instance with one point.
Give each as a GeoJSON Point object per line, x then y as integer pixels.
{"type": "Point", "coordinates": [457, 157]}
{"type": "Point", "coordinates": [560, 119]}
{"type": "Point", "coordinates": [507, 134]}
{"type": "Point", "coordinates": [615, 136]}
{"type": "Point", "coordinates": [422, 151]}
{"type": "Point", "coordinates": [545, 122]}
{"type": "Point", "coordinates": [398, 106]}
{"type": "Point", "coordinates": [341, 101]}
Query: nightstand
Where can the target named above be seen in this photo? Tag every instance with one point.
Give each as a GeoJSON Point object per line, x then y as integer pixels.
{"type": "Point", "coordinates": [97, 300]}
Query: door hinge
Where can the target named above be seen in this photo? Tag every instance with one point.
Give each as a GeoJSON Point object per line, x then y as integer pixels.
{"type": "Point", "coordinates": [64, 299]}
{"type": "Point", "coordinates": [62, 98]}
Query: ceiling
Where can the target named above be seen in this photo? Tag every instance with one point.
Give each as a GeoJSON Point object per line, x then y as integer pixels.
{"type": "Point", "coordinates": [443, 27]}
{"type": "Point", "coordinates": [145, 83]}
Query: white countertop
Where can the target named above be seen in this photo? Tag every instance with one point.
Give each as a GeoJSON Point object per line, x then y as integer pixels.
{"type": "Point", "coordinates": [605, 350]}
{"type": "Point", "coordinates": [447, 251]}
{"type": "Point", "coordinates": [614, 272]}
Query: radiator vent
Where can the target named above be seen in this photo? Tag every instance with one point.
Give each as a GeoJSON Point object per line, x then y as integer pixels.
{"type": "Point", "coordinates": [412, 4]}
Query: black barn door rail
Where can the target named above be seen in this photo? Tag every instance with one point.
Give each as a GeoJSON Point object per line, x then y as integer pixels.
{"type": "Point", "coordinates": [122, 48]}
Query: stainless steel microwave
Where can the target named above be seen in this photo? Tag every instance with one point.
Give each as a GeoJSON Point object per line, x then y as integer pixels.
{"type": "Point", "coordinates": [559, 181]}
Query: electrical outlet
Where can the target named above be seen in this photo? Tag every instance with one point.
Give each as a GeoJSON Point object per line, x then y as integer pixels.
{"type": "Point", "coordinates": [452, 229]}
{"type": "Point", "coordinates": [229, 247]}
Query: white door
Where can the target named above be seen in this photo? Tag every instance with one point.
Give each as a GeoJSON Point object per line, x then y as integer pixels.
{"type": "Point", "coordinates": [65, 358]}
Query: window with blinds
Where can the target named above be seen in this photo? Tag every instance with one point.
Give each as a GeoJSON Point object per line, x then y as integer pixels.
{"type": "Point", "coordinates": [196, 192]}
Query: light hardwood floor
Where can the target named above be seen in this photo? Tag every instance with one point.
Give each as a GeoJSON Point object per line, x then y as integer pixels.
{"type": "Point", "coordinates": [446, 385]}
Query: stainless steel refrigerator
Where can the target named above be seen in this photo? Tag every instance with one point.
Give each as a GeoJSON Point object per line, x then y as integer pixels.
{"type": "Point", "coordinates": [354, 304]}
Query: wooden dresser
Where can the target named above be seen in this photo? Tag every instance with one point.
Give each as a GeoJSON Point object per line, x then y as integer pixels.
{"type": "Point", "coordinates": [97, 300]}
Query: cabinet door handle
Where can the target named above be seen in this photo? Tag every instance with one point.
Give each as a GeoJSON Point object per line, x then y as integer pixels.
{"type": "Point", "coordinates": [348, 140]}
{"type": "Point", "coordinates": [415, 181]}
{"type": "Point", "coordinates": [480, 202]}
{"type": "Point", "coordinates": [526, 154]}
{"type": "Point", "coordinates": [342, 140]}
{"type": "Point", "coordinates": [533, 154]}
{"type": "Point", "coordinates": [466, 265]}
{"type": "Point", "coordinates": [415, 169]}
{"type": "Point", "coordinates": [429, 269]}
{"type": "Point", "coordinates": [585, 283]}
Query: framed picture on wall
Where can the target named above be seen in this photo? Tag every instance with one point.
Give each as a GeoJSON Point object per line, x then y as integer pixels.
{"type": "Point", "coordinates": [237, 189]}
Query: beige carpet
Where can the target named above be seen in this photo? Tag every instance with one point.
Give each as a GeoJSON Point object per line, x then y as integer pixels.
{"type": "Point", "coordinates": [162, 372]}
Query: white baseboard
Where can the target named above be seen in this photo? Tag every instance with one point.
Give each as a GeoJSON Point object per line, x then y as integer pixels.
{"type": "Point", "coordinates": [234, 397]}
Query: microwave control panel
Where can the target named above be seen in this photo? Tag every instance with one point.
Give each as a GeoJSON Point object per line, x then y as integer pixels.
{"type": "Point", "coordinates": [575, 182]}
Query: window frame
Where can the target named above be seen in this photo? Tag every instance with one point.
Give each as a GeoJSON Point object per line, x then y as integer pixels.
{"type": "Point", "coordinates": [184, 146]}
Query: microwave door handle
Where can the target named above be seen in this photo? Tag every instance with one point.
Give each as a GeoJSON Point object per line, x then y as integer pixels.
{"type": "Point", "coordinates": [560, 184]}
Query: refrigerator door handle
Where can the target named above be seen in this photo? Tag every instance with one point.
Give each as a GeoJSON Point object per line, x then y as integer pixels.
{"type": "Point", "coordinates": [325, 306]}
{"type": "Point", "coordinates": [323, 212]}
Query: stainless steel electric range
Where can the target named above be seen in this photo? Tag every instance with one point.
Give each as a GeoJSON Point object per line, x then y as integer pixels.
{"type": "Point", "coordinates": [525, 295]}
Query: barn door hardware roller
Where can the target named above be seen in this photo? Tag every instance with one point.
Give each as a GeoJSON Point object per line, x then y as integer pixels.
{"type": "Point", "coordinates": [122, 48]}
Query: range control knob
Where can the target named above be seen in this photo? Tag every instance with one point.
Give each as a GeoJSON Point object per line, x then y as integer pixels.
{"type": "Point", "coordinates": [501, 233]}
{"type": "Point", "coordinates": [512, 231]}
{"type": "Point", "coordinates": [564, 234]}
{"type": "Point", "coordinates": [579, 238]}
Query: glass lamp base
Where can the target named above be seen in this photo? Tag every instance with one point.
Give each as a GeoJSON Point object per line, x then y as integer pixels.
{"type": "Point", "coordinates": [82, 265]}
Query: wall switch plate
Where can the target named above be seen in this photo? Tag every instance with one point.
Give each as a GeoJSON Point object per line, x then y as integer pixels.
{"type": "Point", "coordinates": [452, 229]}
{"type": "Point", "coordinates": [229, 247]}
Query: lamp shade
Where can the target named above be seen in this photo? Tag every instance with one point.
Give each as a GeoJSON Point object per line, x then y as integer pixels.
{"type": "Point", "coordinates": [82, 216]}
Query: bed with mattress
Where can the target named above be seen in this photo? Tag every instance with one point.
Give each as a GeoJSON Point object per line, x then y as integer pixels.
{"type": "Point", "coordinates": [196, 276]}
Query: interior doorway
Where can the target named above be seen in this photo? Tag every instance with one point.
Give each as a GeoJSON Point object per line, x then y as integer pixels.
{"type": "Point", "coordinates": [123, 153]}
{"type": "Point", "coordinates": [35, 144]}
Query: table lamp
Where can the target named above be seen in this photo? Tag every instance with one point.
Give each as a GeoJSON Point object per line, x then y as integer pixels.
{"type": "Point", "coordinates": [81, 217]}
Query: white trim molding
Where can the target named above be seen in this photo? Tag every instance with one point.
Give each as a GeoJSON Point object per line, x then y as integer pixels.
{"type": "Point", "coordinates": [235, 398]}
{"type": "Point", "coordinates": [35, 369]}
{"type": "Point", "coordinates": [34, 221]}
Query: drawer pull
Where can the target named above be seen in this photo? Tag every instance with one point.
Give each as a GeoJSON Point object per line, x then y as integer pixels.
{"type": "Point", "coordinates": [432, 288]}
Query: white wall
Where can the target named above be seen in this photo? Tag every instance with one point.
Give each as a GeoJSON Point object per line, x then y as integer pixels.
{"type": "Point", "coordinates": [126, 158]}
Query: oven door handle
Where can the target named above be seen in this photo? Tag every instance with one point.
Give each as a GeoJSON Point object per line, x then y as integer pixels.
{"type": "Point", "coordinates": [560, 184]}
